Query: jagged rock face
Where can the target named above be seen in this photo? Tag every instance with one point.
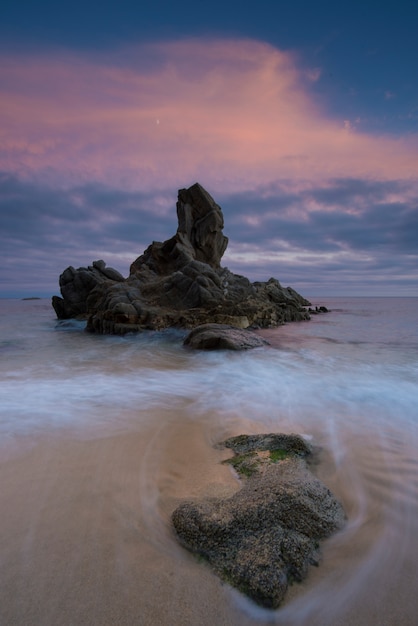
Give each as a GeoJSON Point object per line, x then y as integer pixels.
{"type": "Point", "coordinates": [199, 237]}
{"type": "Point", "coordinates": [201, 223]}
{"type": "Point", "coordinates": [179, 282]}
{"type": "Point", "coordinates": [266, 535]}
{"type": "Point", "coordinates": [76, 285]}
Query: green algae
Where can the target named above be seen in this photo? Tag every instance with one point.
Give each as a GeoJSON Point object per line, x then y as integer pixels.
{"type": "Point", "coordinates": [279, 455]}
{"type": "Point", "coordinates": [245, 464]}
{"type": "Point", "coordinates": [249, 463]}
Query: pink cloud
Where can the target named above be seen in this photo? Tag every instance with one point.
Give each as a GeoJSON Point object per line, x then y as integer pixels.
{"type": "Point", "coordinates": [230, 113]}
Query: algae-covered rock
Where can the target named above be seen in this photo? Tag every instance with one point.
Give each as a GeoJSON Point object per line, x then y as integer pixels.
{"type": "Point", "coordinates": [267, 534]}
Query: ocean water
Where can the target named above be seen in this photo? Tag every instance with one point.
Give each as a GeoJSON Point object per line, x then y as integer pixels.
{"type": "Point", "coordinates": [75, 407]}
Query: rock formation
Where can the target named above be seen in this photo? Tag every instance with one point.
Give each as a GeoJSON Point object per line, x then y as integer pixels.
{"type": "Point", "coordinates": [76, 285]}
{"type": "Point", "coordinates": [266, 535]}
{"type": "Point", "coordinates": [179, 282]}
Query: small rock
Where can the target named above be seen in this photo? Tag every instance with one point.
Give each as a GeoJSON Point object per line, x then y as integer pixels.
{"type": "Point", "coordinates": [222, 337]}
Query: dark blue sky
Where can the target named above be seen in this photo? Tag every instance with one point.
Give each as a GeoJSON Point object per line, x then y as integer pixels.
{"type": "Point", "coordinates": [366, 49]}
{"type": "Point", "coordinates": [300, 118]}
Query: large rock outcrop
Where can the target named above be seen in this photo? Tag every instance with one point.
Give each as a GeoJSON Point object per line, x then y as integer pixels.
{"type": "Point", "coordinates": [267, 534]}
{"type": "Point", "coordinates": [179, 282]}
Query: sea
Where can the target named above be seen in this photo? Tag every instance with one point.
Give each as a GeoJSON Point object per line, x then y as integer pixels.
{"type": "Point", "coordinates": [102, 436]}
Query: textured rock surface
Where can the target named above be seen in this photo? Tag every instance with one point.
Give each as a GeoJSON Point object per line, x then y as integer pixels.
{"type": "Point", "coordinates": [77, 284]}
{"type": "Point", "coordinates": [266, 535]}
{"type": "Point", "coordinates": [222, 337]}
{"type": "Point", "coordinates": [179, 282]}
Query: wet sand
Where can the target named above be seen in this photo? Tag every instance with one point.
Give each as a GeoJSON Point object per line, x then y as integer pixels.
{"type": "Point", "coordinates": [86, 538]}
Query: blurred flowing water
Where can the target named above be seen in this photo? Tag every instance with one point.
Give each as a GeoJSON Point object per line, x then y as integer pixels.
{"type": "Point", "coordinates": [120, 429]}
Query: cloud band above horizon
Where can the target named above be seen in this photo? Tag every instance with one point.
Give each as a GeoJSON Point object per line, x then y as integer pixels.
{"type": "Point", "coordinates": [108, 139]}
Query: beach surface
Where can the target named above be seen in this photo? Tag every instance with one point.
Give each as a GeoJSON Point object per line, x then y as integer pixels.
{"type": "Point", "coordinates": [86, 538]}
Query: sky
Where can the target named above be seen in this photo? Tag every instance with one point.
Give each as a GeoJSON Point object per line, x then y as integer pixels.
{"type": "Point", "coordinates": [300, 119]}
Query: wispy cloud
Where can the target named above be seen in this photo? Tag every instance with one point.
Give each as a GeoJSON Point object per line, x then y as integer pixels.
{"type": "Point", "coordinates": [233, 111]}
{"type": "Point", "coordinates": [346, 219]}
{"type": "Point", "coordinates": [94, 148]}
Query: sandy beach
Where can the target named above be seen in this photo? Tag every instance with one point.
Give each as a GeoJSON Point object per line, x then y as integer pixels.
{"type": "Point", "coordinates": [86, 539]}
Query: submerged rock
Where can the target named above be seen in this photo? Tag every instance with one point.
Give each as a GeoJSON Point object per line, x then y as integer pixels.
{"type": "Point", "coordinates": [179, 282]}
{"type": "Point", "coordinates": [222, 337]}
{"type": "Point", "coordinates": [318, 309]}
{"type": "Point", "coordinates": [267, 534]}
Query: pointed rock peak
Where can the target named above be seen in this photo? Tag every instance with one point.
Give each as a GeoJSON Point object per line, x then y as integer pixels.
{"type": "Point", "coordinates": [200, 222]}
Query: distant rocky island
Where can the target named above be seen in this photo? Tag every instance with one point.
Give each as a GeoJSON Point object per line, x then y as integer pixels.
{"type": "Point", "coordinates": [177, 283]}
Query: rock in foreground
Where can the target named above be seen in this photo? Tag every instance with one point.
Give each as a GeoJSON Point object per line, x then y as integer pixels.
{"type": "Point", "coordinates": [179, 282]}
{"type": "Point", "coordinates": [266, 535]}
